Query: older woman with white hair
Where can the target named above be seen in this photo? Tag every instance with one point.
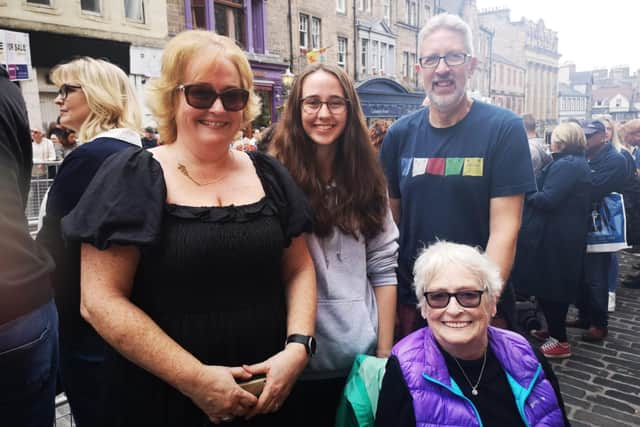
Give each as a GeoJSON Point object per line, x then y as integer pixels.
{"type": "Point", "coordinates": [459, 370]}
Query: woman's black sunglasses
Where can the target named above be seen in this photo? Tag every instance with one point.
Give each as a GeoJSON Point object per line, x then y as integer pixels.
{"type": "Point", "coordinates": [202, 96]}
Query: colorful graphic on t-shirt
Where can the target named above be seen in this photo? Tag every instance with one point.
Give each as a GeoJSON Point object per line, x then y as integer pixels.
{"type": "Point", "coordinates": [473, 166]}
{"type": "Point", "coordinates": [435, 166]}
{"type": "Point", "coordinates": [441, 166]}
{"type": "Point", "coordinates": [454, 166]}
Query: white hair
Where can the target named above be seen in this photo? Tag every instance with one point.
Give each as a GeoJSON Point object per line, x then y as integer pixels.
{"type": "Point", "coordinates": [450, 22]}
{"type": "Point", "coordinates": [435, 258]}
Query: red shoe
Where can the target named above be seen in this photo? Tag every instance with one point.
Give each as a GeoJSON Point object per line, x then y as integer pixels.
{"type": "Point", "coordinates": [554, 349]}
{"type": "Point", "coordinates": [540, 335]}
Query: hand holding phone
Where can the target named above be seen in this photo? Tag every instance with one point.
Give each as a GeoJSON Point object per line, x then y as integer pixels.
{"type": "Point", "coordinates": [255, 385]}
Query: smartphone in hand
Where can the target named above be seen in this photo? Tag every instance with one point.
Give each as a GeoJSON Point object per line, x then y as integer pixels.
{"type": "Point", "coordinates": [255, 385]}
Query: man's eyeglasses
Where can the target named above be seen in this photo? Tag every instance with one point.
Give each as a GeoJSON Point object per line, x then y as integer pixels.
{"type": "Point", "coordinates": [66, 89]}
{"type": "Point", "coordinates": [451, 59]}
{"type": "Point", "coordinates": [313, 104]}
{"type": "Point", "coordinates": [202, 96]}
{"type": "Point", "coordinates": [467, 299]}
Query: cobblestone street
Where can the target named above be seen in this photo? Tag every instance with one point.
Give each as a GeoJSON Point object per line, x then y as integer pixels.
{"type": "Point", "coordinates": [600, 382]}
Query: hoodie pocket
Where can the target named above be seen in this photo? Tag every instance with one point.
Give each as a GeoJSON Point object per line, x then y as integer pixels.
{"type": "Point", "coordinates": [344, 328]}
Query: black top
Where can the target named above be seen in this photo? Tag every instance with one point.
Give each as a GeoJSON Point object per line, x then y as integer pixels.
{"type": "Point", "coordinates": [24, 266]}
{"type": "Point", "coordinates": [495, 401]}
{"type": "Point", "coordinates": [73, 178]}
{"type": "Point", "coordinates": [210, 277]}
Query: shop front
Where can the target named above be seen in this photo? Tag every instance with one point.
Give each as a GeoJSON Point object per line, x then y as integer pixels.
{"type": "Point", "coordinates": [387, 100]}
{"type": "Point", "coordinates": [267, 82]}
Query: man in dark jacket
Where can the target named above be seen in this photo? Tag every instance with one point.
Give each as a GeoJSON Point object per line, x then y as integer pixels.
{"type": "Point", "coordinates": [28, 318]}
{"type": "Point", "coordinates": [608, 174]}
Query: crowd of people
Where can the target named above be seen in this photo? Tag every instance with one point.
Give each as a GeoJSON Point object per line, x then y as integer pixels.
{"type": "Point", "coordinates": [216, 278]}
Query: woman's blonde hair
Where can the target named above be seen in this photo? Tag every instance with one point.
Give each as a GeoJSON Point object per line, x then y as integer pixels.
{"type": "Point", "coordinates": [616, 141]}
{"type": "Point", "coordinates": [177, 56]}
{"type": "Point", "coordinates": [110, 97]}
{"type": "Point", "coordinates": [570, 138]}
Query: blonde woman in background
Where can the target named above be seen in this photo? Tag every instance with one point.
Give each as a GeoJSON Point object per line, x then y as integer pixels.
{"type": "Point", "coordinates": [97, 101]}
{"type": "Point", "coordinates": [630, 198]}
{"type": "Point", "coordinates": [193, 264]}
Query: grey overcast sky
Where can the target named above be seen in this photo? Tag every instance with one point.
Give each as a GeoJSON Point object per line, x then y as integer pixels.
{"type": "Point", "coordinates": [591, 33]}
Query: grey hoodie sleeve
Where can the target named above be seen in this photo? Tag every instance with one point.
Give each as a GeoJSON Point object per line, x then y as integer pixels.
{"type": "Point", "coordinates": [382, 254]}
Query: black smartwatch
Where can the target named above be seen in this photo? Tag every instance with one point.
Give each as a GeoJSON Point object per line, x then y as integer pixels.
{"type": "Point", "coordinates": [308, 341]}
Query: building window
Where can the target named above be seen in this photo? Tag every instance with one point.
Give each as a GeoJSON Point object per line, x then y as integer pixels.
{"type": "Point", "coordinates": [412, 11]}
{"type": "Point", "coordinates": [383, 58]}
{"type": "Point", "coordinates": [405, 65]}
{"type": "Point", "coordinates": [364, 5]}
{"type": "Point", "coordinates": [364, 55]}
{"type": "Point", "coordinates": [198, 14]}
{"type": "Point", "coordinates": [412, 69]}
{"type": "Point", "coordinates": [342, 52]}
{"type": "Point", "coordinates": [90, 6]}
{"type": "Point", "coordinates": [374, 56]}
{"type": "Point", "coordinates": [134, 10]}
{"type": "Point", "coordinates": [386, 10]}
{"type": "Point", "coordinates": [41, 2]}
{"type": "Point", "coordinates": [304, 30]}
{"type": "Point", "coordinates": [316, 41]}
{"type": "Point", "coordinates": [341, 6]}
{"type": "Point", "coordinates": [229, 16]}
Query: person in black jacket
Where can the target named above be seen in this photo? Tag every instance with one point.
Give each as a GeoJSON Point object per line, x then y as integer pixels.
{"type": "Point", "coordinates": [608, 174]}
{"type": "Point", "coordinates": [97, 101]}
{"type": "Point", "coordinates": [552, 240]}
{"type": "Point", "coordinates": [28, 319]}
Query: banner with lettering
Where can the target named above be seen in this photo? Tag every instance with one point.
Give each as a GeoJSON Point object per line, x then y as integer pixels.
{"type": "Point", "coordinates": [15, 54]}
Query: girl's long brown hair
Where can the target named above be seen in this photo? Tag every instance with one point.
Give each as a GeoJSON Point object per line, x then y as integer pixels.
{"type": "Point", "coordinates": [357, 205]}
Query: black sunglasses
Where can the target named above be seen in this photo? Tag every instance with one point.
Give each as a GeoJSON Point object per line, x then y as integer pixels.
{"type": "Point", "coordinates": [202, 96]}
{"type": "Point", "coordinates": [467, 299]}
{"type": "Point", "coordinates": [66, 89]}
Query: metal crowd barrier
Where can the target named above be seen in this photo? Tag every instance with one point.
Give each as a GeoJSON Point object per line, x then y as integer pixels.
{"type": "Point", "coordinates": [63, 412]}
{"type": "Point", "coordinates": [42, 175]}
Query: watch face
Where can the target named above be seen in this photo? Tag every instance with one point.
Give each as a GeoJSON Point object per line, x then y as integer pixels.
{"type": "Point", "coordinates": [312, 345]}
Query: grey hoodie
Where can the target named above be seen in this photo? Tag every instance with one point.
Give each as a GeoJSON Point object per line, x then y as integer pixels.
{"type": "Point", "coordinates": [347, 270]}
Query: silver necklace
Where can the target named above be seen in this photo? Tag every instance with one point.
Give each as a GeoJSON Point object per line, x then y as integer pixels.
{"type": "Point", "coordinates": [474, 388]}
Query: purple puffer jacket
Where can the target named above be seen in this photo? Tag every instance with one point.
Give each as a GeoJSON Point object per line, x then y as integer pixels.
{"type": "Point", "coordinates": [438, 402]}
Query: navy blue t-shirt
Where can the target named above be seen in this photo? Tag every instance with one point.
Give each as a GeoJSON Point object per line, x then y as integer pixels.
{"type": "Point", "coordinates": [445, 178]}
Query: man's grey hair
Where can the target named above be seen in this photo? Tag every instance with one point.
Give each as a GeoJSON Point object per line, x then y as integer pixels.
{"type": "Point", "coordinates": [434, 259]}
{"type": "Point", "coordinates": [450, 22]}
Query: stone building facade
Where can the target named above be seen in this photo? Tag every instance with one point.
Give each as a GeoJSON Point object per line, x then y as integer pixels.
{"type": "Point", "coordinates": [572, 104]}
{"type": "Point", "coordinates": [508, 84]}
{"type": "Point", "coordinates": [129, 33]}
{"type": "Point", "coordinates": [534, 47]}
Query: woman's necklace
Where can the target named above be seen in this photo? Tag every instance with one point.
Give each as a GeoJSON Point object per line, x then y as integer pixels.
{"type": "Point", "coordinates": [474, 388]}
{"type": "Point", "coordinates": [184, 171]}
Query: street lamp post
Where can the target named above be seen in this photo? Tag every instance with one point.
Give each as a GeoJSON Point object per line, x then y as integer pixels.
{"type": "Point", "coordinates": [287, 80]}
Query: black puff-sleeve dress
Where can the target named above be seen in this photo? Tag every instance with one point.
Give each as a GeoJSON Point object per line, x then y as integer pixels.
{"type": "Point", "coordinates": [210, 277]}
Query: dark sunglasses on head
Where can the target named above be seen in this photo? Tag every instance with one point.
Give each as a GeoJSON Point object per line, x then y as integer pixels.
{"type": "Point", "coordinates": [440, 299]}
{"type": "Point", "coordinates": [202, 96]}
{"type": "Point", "coordinates": [66, 89]}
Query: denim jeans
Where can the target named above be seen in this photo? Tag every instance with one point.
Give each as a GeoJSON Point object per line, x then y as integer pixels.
{"type": "Point", "coordinates": [594, 296]}
{"type": "Point", "coordinates": [82, 375]}
{"type": "Point", "coordinates": [28, 366]}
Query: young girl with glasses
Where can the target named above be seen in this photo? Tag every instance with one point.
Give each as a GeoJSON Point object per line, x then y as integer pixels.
{"type": "Point", "coordinates": [324, 142]}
